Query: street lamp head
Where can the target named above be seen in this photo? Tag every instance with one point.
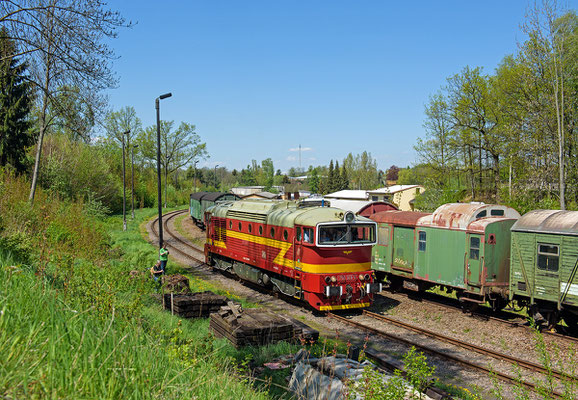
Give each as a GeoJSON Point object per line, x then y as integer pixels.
{"type": "Point", "coordinates": [135, 146]}
{"type": "Point", "coordinates": [164, 96]}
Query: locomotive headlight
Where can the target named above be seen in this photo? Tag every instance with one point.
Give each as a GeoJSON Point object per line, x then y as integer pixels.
{"type": "Point", "coordinates": [327, 279]}
{"type": "Point", "coordinates": [366, 277]}
{"type": "Point", "coordinates": [349, 217]}
{"type": "Point", "coordinates": [333, 279]}
{"type": "Point", "coordinates": [360, 277]}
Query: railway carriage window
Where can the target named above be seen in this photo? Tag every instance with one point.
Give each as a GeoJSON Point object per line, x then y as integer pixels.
{"type": "Point", "coordinates": [272, 232]}
{"type": "Point", "coordinates": [383, 235]}
{"type": "Point", "coordinates": [308, 235]}
{"type": "Point", "coordinates": [250, 228]}
{"type": "Point", "coordinates": [421, 241]}
{"type": "Point", "coordinates": [474, 248]}
{"type": "Point", "coordinates": [548, 257]}
{"type": "Point", "coordinates": [240, 226]}
{"type": "Point", "coordinates": [298, 234]}
{"type": "Point", "coordinates": [260, 230]}
{"type": "Point", "coordinates": [374, 198]}
{"type": "Point", "coordinates": [497, 213]}
{"type": "Point", "coordinates": [481, 214]}
{"type": "Point", "coordinates": [285, 234]}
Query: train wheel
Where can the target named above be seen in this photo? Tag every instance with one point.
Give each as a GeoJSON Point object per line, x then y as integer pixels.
{"type": "Point", "coordinates": [395, 283]}
{"type": "Point", "coordinates": [572, 322]}
{"type": "Point", "coordinates": [544, 319]}
{"type": "Point", "coordinates": [498, 304]}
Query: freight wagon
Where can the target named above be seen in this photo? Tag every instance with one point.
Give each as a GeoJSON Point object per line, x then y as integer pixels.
{"type": "Point", "coordinates": [200, 201]}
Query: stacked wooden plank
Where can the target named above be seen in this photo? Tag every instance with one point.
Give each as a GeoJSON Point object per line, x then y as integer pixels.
{"type": "Point", "coordinates": [251, 327]}
{"type": "Point", "coordinates": [196, 305]}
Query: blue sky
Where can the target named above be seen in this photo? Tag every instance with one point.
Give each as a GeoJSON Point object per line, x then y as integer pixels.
{"type": "Point", "coordinates": [260, 78]}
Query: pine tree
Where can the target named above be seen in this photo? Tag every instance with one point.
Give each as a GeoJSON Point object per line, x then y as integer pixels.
{"type": "Point", "coordinates": [337, 178]}
{"type": "Point", "coordinates": [330, 179]}
{"type": "Point", "coordinates": [15, 106]}
{"type": "Point", "coordinates": [344, 178]}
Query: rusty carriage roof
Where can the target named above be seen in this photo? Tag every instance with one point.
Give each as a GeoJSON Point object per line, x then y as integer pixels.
{"type": "Point", "coordinates": [459, 216]}
{"type": "Point", "coordinates": [395, 217]}
{"type": "Point", "coordinates": [548, 221]}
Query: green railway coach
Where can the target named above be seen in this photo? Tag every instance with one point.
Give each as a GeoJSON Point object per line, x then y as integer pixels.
{"type": "Point", "coordinates": [543, 273]}
{"type": "Point", "coordinates": [461, 247]}
{"type": "Point", "coordinates": [200, 201]}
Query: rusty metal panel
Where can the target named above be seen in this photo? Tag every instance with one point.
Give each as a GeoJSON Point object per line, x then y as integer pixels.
{"type": "Point", "coordinates": [548, 221]}
{"type": "Point", "coordinates": [460, 215]}
{"type": "Point", "coordinates": [402, 218]}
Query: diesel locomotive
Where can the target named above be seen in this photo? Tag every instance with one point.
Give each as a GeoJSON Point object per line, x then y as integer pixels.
{"type": "Point", "coordinates": [319, 255]}
{"type": "Point", "coordinates": [485, 253]}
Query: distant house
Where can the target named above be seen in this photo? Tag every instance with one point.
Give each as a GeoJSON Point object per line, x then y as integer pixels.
{"type": "Point", "coordinates": [348, 195]}
{"type": "Point", "coordinates": [402, 196]}
{"type": "Point", "coordinates": [361, 207]}
{"type": "Point", "coordinates": [243, 191]}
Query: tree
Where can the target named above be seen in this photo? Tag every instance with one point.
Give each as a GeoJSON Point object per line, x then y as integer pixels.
{"type": "Point", "coordinates": [392, 173]}
{"type": "Point", "coordinates": [64, 41]}
{"type": "Point", "coordinates": [15, 106]}
{"type": "Point", "coordinates": [268, 172]}
{"type": "Point", "coordinates": [178, 148]}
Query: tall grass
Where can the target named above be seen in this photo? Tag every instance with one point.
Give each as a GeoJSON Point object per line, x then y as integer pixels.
{"type": "Point", "coordinates": [74, 323]}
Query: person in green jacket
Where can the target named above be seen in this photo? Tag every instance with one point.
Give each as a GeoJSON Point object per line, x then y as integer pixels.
{"type": "Point", "coordinates": [164, 257]}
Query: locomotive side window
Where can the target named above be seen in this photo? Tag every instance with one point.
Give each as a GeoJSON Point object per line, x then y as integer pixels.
{"type": "Point", "coordinates": [474, 248]}
{"type": "Point", "coordinates": [548, 257]}
{"type": "Point", "coordinates": [298, 234]}
{"type": "Point", "coordinates": [308, 235]}
{"type": "Point", "coordinates": [272, 232]}
{"type": "Point", "coordinates": [285, 234]}
{"type": "Point", "coordinates": [260, 230]}
{"type": "Point", "coordinates": [421, 241]}
{"type": "Point", "coordinates": [240, 226]}
{"type": "Point", "coordinates": [230, 224]}
{"type": "Point", "coordinates": [250, 228]}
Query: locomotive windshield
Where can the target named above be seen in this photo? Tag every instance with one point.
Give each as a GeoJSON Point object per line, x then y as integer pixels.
{"type": "Point", "coordinates": [346, 234]}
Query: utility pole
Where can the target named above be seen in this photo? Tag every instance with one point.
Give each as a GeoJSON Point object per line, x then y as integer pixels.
{"type": "Point", "coordinates": [134, 146]}
{"type": "Point", "coordinates": [159, 195]}
{"type": "Point", "coordinates": [123, 184]}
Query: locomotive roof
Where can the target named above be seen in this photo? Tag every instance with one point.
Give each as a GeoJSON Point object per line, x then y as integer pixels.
{"type": "Point", "coordinates": [461, 215]}
{"type": "Point", "coordinates": [548, 221]}
{"type": "Point", "coordinates": [198, 195]}
{"type": "Point", "coordinates": [278, 212]}
{"type": "Point", "coordinates": [214, 196]}
{"type": "Point", "coordinates": [406, 218]}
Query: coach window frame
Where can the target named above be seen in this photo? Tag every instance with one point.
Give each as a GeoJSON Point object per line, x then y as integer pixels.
{"type": "Point", "coordinates": [421, 241]}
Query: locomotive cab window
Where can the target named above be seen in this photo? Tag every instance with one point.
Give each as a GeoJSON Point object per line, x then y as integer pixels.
{"type": "Point", "coordinates": [298, 234]}
{"type": "Point", "coordinates": [474, 248]}
{"type": "Point", "coordinates": [481, 214]}
{"type": "Point", "coordinates": [345, 234]}
{"type": "Point", "coordinates": [421, 241]}
{"type": "Point", "coordinates": [308, 235]}
{"type": "Point", "coordinates": [548, 257]}
{"type": "Point", "coordinates": [497, 213]}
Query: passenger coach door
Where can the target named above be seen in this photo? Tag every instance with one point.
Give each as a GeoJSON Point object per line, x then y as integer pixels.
{"type": "Point", "coordinates": [474, 259]}
{"type": "Point", "coordinates": [403, 248]}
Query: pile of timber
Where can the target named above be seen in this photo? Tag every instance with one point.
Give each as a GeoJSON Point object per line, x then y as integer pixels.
{"type": "Point", "coordinates": [254, 327]}
{"type": "Point", "coordinates": [196, 305]}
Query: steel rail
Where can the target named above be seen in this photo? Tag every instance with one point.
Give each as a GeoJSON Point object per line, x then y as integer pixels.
{"type": "Point", "coordinates": [505, 377]}
{"type": "Point", "coordinates": [484, 315]}
{"type": "Point", "coordinates": [470, 346]}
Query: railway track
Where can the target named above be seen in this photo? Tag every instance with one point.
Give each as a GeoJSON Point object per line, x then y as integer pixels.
{"type": "Point", "coordinates": [445, 355]}
{"type": "Point", "coordinates": [451, 304]}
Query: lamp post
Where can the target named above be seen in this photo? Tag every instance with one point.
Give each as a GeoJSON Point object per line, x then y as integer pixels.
{"type": "Point", "coordinates": [157, 106]}
{"type": "Point", "coordinates": [134, 146]}
{"type": "Point", "coordinates": [216, 176]}
{"type": "Point", "coordinates": [123, 184]}
{"type": "Point", "coordinates": [195, 176]}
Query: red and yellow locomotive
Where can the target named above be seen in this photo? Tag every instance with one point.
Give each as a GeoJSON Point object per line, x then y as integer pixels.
{"type": "Point", "coordinates": [320, 255]}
